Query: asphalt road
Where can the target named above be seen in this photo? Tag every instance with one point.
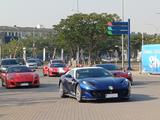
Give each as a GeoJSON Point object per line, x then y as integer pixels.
{"type": "Point", "coordinates": [44, 103]}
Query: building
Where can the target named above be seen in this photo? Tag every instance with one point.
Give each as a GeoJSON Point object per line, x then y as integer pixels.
{"type": "Point", "coordinates": [9, 33]}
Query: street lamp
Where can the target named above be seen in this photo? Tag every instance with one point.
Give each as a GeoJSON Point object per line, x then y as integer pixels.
{"type": "Point", "coordinates": [77, 6]}
{"type": "Point", "coordinates": [122, 12]}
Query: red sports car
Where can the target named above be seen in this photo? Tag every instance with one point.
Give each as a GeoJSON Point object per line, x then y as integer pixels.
{"type": "Point", "coordinates": [116, 71]}
{"type": "Point", "coordinates": [18, 76]}
{"type": "Point", "coordinates": [55, 69]}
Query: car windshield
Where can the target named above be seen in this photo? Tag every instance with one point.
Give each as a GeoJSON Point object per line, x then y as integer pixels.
{"type": "Point", "coordinates": [108, 66]}
{"type": "Point", "coordinates": [9, 62]}
{"type": "Point", "coordinates": [56, 61]}
{"type": "Point", "coordinates": [19, 69]}
{"type": "Point", "coordinates": [31, 61]}
{"type": "Point", "coordinates": [94, 72]}
{"type": "Point", "coordinates": [20, 61]}
{"type": "Point", "coordinates": [57, 65]}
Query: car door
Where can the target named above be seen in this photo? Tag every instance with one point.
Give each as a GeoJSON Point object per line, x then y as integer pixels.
{"type": "Point", "coordinates": [70, 81]}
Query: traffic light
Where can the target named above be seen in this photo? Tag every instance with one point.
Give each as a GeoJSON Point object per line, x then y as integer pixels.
{"type": "Point", "coordinates": [117, 28]}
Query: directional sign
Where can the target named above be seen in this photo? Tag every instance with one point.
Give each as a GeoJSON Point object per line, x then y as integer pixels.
{"type": "Point", "coordinates": [117, 32]}
{"type": "Point", "coordinates": [117, 28]}
{"type": "Point", "coordinates": [120, 28]}
{"type": "Point", "coordinates": [120, 23]}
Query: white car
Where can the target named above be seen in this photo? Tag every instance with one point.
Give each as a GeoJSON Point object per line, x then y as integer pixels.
{"type": "Point", "coordinates": [32, 63]}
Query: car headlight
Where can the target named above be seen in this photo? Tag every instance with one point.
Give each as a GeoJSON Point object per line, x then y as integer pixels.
{"type": "Point", "coordinates": [125, 82]}
{"type": "Point", "coordinates": [88, 83]}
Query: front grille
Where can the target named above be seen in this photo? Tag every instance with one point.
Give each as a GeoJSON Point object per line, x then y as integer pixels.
{"type": "Point", "coordinates": [19, 83]}
{"type": "Point", "coordinates": [101, 93]}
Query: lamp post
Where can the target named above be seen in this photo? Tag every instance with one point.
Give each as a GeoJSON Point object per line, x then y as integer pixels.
{"type": "Point", "coordinates": [24, 53]}
{"type": "Point", "coordinates": [140, 55]}
{"type": "Point", "coordinates": [122, 39]}
{"type": "Point", "coordinates": [33, 44]}
{"type": "Point", "coordinates": [77, 6]}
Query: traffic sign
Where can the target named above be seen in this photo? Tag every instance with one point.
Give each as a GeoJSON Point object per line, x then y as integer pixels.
{"type": "Point", "coordinates": [117, 28]}
{"type": "Point", "coordinates": [120, 28]}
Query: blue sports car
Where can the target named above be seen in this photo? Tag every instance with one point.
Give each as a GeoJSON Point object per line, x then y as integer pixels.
{"type": "Point", "coordinates": [93, 83]}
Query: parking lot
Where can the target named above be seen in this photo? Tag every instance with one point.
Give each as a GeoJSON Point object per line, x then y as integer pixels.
{"type": "Point", "coordinates": [43, 103]}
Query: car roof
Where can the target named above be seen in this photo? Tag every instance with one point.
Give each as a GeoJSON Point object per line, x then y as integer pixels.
{"type": "Point", "coordinates": [8, 59]}
{"type": "Point", "coordinates": [106, 64]}
{"type": "Point", "coordinates": [18, 66]}
{"type": "Point", "coordinates": [79, 68]}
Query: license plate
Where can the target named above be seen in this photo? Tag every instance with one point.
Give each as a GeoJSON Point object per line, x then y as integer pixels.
{"type": "Point", "coordinates": [24, 84]}
{"type": "Point", "coordinates": [115, 95]}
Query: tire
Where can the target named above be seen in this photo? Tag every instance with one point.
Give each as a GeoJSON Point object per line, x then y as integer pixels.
{"type": "Point", "coordinates": [49, 74]}
{"type": "Point", "coordinates": [61, 91]}
{"type": "Point", "coordinates": [3, 85]}
{"type": "Point", "coordinates": [7, 87]}
{"type": "Point", "coordinates": [44, 74]}
{"type": "Point", "coordinates": [37, 86]}
{"type": "Point", "coordinates": [78, 94]}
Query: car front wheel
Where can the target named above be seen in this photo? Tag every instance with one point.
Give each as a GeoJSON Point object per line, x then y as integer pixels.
{"type": "Point", "coordinates": [78, 94]}
{"type": "Point", "coordinates": [61, 91]}
{"type": "Point", "coordinates": [3, 83]}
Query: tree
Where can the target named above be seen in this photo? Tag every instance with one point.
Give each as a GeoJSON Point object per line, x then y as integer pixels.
{"type": "Point", "coordinates": [86, 31]}
{"type": "Point", "coordinates": [13, 49]}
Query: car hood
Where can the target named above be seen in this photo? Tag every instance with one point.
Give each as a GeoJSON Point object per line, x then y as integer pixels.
{"type": "Point", "coordinates": [26, 76]}
{"type": "Point", "coordinates": [105, 82]}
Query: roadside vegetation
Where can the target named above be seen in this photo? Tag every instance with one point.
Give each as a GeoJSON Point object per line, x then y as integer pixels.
{"type": "Point", "coordinates": [85, 33]}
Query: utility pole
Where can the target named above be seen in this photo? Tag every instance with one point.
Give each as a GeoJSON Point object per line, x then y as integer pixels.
{"type": "Point", "coordinates": [122, 39]}
{"type": "Point", "coordinates": [77, 6]}
{"type": "Point", "coordinates": [78, 45]}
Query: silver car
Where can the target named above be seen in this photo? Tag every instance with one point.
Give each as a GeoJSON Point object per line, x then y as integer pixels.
{"type": "Point", "coordinates": [32, 63]}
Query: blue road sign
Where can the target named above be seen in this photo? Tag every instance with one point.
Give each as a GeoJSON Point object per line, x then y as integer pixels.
{"type": "Point", "coordinates": [118, 28]}
{"type": "Point", "coordinates": [118, 32]}
{"type": "Point", "coordinates": [121, 28]}
{"type": "Point", "coordinates": [120, 23]}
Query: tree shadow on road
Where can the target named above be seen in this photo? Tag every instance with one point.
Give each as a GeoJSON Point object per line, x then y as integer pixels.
{"type": "Point", "coordinates": [133, 98]}
{"type": "Point", "coordinates": [141, 97]}
{"type": "Point", "coordinates": [155, 82]}
{"type": "Point", "coordinates": [42, 88]}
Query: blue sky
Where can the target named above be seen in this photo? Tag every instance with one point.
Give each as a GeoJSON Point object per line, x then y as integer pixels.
{"type": "Point", "coordinates": [143, 13]}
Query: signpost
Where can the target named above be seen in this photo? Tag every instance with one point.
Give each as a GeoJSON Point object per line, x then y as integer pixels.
{"type": "Point", "coordinates": [121, 28]}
